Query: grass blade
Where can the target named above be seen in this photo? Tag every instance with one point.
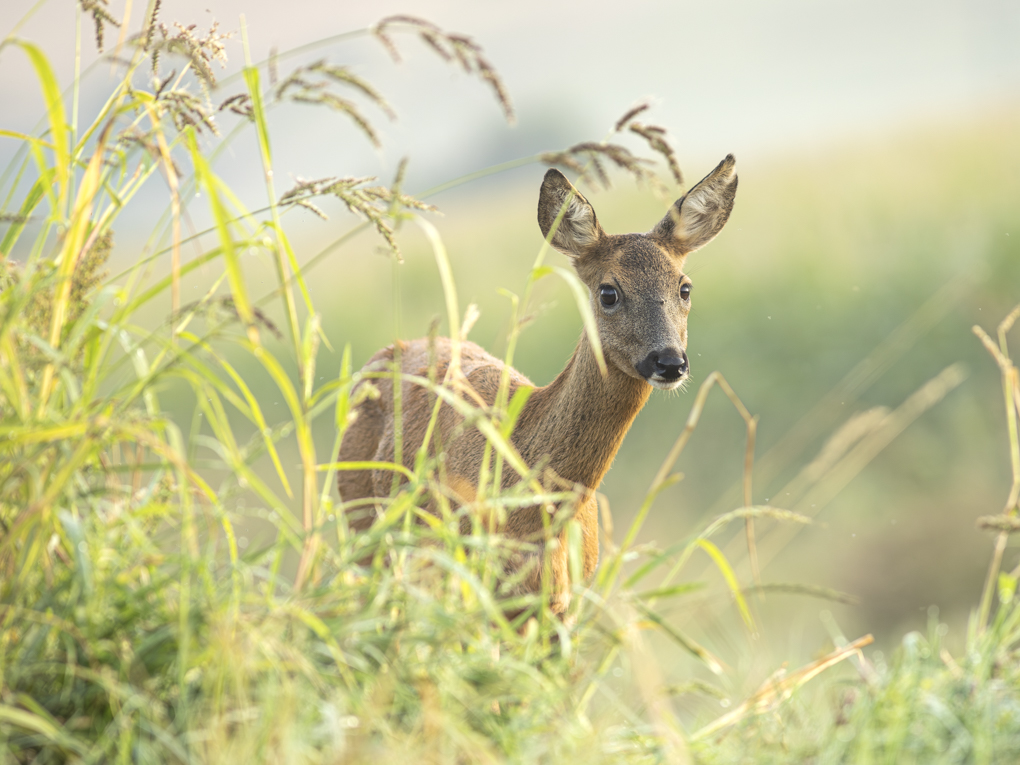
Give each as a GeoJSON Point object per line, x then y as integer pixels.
{"type": "Point", "coordinates": [731, 579]}
{"type": "Point", "coordinates": [583, 301]}
{"type": "Point", "coordinates": [210, 183]}
{"type": "Point", "coordinates": [55, 114]}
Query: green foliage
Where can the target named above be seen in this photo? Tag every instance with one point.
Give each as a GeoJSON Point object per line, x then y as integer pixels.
{"type": "Point", "coordinates": [135, 623]}
{"type": "Point", "coordinates": [924, 707]}
{"type": "Point", "coordinates": [138, 624]}
{"type": "Point", "coordinates": [35, 300]}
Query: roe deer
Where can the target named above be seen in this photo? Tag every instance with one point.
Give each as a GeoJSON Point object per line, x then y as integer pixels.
{"type": "Point", "coordinates": [574, 426]}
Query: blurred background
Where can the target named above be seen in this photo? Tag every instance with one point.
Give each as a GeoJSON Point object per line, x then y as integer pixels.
{"type": "Point", "coordinates": [878, 219]}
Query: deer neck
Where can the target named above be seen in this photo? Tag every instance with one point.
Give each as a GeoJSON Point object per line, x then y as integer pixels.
{"type": "Point", "coordinates": [579, 420]}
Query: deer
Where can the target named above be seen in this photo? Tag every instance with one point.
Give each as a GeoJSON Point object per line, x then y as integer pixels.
{"type": "Point", "coordinates": [575, 425]}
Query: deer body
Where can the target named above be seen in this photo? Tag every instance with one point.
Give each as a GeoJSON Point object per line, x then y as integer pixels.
{"type": "Point", "coordinates": [575, 425]}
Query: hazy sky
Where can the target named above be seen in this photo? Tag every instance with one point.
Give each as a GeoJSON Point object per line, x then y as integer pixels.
{"type": "Point", "coordinates": [742, 76]}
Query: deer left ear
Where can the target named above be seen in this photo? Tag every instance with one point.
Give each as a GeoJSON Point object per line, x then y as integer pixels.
{"type": "Point", "coordinates": [695, 218]}
{"type": "Point", "coordinates": [578, 230]}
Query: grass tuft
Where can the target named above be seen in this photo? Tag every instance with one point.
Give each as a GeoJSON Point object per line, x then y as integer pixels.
{"type": "Point", "coordinates": [180, 583]}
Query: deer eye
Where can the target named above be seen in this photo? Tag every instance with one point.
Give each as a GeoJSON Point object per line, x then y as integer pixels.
{"type": "Point", "coordinates": [608, 295]}
{"type": "Point", "coordinates": [685, 291]}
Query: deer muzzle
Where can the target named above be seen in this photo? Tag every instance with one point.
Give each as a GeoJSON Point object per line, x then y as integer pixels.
{"type": "Point", "coordinates": [664, 369]}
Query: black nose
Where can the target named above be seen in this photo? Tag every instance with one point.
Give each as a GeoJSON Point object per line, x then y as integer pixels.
{"type": "Point", "coordinates": [670, 364]}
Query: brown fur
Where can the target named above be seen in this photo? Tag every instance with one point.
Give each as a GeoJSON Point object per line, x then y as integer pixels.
{"type": "Point", "coordinates": [576, 424]}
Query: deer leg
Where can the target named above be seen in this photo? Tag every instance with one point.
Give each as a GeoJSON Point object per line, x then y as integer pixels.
{"type": "Point", "coordinates": [360, 443]}
{"type": "Point", "coordinates": [559, 571]}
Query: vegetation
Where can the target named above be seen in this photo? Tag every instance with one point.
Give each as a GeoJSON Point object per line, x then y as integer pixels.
{"type": "Point", "coordinates": [139, 623]}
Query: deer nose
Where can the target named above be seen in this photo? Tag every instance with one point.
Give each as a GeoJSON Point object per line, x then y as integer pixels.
{"type": "Point", "coordinates": [669, 364]}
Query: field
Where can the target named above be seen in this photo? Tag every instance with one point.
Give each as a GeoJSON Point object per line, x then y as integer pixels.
{"type": "Point", "coordinates": [179, 583]}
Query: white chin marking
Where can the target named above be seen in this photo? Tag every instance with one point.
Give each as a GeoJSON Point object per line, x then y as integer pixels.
{"type": "Point", "coordinates": [666, 384]}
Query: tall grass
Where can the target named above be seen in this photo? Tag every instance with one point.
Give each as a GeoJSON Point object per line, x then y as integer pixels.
{"type": "Point", "coordinates": [926, 706]}
{"type": "Point", "coordinates": [139, 626]}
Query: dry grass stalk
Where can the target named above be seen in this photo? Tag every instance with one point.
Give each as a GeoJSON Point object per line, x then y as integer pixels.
{"type": "Point", "coordinates": [311, 85]}
{"type": "Point", "coordinates": [227, 306]}
{"type": "Point", "coordinates": [860, 426]}
{"type": "Point", "coordinates": [1007, 324]}
{"type": "Point", "coordinates": [200, 50]}
{"type": "Point", "coordinates": [751, 423]}
{"type": "Point", "coordinates": [588, 159]}
{"type": "Point", "coordinates": [629, 115]}
{"type": "Point", "coordinates": [656, 137]}
{"type": "Point", "coordinates": [378, 204]}
{"type": "Point", "coordinates": [100, 17]}
{"type": "Point", "coordinates": [846, 454]}
{"type": "Point", "coordinates": [187, 110]}
{"type": "Point", "coordinates": [239, 104]}
{"type": "Point", "coordinates": [807, 590]}
{"type": "Point", "coordinates": [780, 687]}
{"type": "Point", "coordinates": [450, 47]}
{"type": "Point", "coordinates": [1011, 395]}
{"type": "Point", "coordinates": [886, 429]}
{"type": "Point", "coordinates": [1007, 524]}
{"type": "Point", "coordinates": [826, 413]}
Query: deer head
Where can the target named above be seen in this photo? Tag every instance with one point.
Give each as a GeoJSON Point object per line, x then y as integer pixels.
{"type": "Point", "coordinates": [639, 293]}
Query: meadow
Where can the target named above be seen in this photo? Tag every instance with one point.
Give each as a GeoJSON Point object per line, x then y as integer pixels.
{"type": "Point", "coordinates": [179, 582]}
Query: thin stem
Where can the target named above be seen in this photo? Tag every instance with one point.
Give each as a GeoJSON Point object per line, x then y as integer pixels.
{"type": "Point", "coordinates": [267, 168]}
{"type": "Point", "coordinates": [664, 477]}
{"type": "Point", "coordinates": [24, 20]}
{"type": "Point", "coordinates": [993, 575]}
{"type": "Point", "coordinates": [124, 24]}
{"type": "Point", "coordinates": [75, 93]}
{"type": "Point", "coordinates": [478, 174]}
{"type": "Point", "coordinates": [752, 549]}
{"type": "Point", "coordinates": [297, 52]}
{"type": "Point", "coordinates": [1010, 382]}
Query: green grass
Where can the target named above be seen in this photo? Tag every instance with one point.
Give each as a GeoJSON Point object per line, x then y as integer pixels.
{"type": "Point", "coordinates": [925, 706]}
{"type": "Point", "coordinates": [178, 582]}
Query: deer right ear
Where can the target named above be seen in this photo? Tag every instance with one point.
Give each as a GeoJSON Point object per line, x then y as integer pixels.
{"type": "Point", "coordinates": [578, 229]}
{"type": "Point", "coordinates": [695, 218]}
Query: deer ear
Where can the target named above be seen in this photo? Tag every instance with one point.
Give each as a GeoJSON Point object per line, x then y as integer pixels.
{"type": "Point", "coordinates": [579, 229]}
{"type": "Point", "coordinates": [695, 218]}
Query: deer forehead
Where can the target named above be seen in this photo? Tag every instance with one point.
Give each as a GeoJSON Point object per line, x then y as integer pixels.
{"type": "Point", "coordinates": [635, 261]}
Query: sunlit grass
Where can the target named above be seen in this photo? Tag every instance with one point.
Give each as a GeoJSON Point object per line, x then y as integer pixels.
{"type": "Point", "coordinates": [180, 582]}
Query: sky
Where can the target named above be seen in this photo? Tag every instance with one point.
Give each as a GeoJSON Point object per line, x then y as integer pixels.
{"type": "Point", "coordinates": [747, 77]}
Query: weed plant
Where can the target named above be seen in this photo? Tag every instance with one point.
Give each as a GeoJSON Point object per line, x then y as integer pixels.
{"type": "Point", "coordinates": [135, 625]}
